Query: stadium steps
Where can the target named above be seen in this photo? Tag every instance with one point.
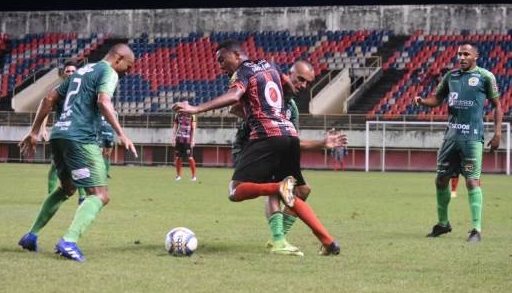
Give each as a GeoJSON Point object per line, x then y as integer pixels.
{"type": "Point", "coordinates": [374, 94]}
{"type": "Point", "coordinates": [102, 50]}
{"type": "Point", "coordinates": [390, 77]}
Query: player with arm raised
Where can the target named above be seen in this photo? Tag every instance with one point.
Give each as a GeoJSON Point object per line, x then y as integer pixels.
{"type": "Point", "coordinates": [270, 162]}
{"type": "Point", "coordinates": [465, 89]}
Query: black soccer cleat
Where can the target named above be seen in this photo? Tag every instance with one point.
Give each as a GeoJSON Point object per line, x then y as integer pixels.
{"type": "Point", "coordinates": [439, 230]}
{"type": "Point", "coordinates": [474, 236]}
{"type": "Point", "coordinates": [330, 249]}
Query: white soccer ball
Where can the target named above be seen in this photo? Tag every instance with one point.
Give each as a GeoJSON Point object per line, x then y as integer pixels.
{"type": "Point", "coordinates": [181, 241]}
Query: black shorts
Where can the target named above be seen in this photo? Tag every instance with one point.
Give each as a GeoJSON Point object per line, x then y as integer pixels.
{"type": "Point", "coordinates": [270, 160]}
{"type": "Point", "coordinates": [183, 150]}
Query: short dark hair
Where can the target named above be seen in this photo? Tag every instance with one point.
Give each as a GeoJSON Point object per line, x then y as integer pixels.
{"type": "Point", "coordinates": [472, 44]}
{"type": "Point", "coordinates": [70, 63]}
{"type": "Point", "coordinates": [231, 45]}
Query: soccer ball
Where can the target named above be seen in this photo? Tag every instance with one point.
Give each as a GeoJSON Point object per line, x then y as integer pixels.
{"type": "Point", "coordinates": [180, 241]}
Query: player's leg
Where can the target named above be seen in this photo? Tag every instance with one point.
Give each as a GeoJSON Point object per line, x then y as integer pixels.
{"type": "Point", "coordinates": [52, 202]}
{"type": "Point", "coordinates": [53, 178]}
{"type": "Point", "coordinates": [472, 169]}
{"type": "Point", "coordinates": [90, 173]}
{"type": "Point", "coordinates": [256, 165]}
{"type": "Point", "coordinates": [302, 190]}
{"type": "Point", "coordinates": [290, 164]}
{"type": "Point", "coordinates": [192, 163]}
{"type": "Point", "coordinates": [454, 181]}
{"type": "Point", "coordinates": [448, 160]}
{"type": "Point", "coordinates": [177, 160]}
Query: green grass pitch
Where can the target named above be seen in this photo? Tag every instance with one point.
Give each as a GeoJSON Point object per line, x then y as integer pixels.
{"type": "Point", "coordinates": [381, 220]}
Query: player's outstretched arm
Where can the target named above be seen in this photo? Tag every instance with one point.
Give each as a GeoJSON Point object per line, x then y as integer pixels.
{"type": "Point", "coordinates": [429, 101]}
{"type": "Point", "coordinates": [332, 140]}
{"type": "Point", "coordinates": [28, 143]}
{"type": "Point", "coordinates": [232, 96]}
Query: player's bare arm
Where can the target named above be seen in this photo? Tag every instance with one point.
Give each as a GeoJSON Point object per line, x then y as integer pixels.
{"type": "Point", "coordinates": [429, 101]}
{"type": "Point", "coordinates": [107, 110]}
{"type": "Point", "coordinates": [332, 140]}
{"type": "Point", "coordinates": [28, 143]}
{"type": "Point", "coordinates": [232, 96]}
{"type": "Point", "coordinates": [494, 143]}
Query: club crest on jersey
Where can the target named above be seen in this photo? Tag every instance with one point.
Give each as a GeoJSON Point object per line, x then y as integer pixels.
{"type": "Point", "coordinates": [473, 81]}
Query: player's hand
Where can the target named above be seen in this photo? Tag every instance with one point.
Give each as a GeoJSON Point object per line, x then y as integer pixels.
{"type": "Point", "coordinates": [335, 139]}
{"type": "Point", "coordinates": [417, 101]}
{"type": "Point", "coordinates": [28, 144]}
{"type": "Point", "coordinates": [128, 144]}
{"type": "Point", "coordinates": [184, 107]}
{"type": "Point", "coordinates": [494, 143]}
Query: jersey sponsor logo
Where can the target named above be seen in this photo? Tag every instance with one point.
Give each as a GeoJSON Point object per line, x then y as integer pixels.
{"type": "Point", "coordinates": [453, 101]}
{"type": "Point", "coordinates": [273, 95]}
{"type": "Point", "coordinates": [80, 173]}
{"type": "Point", "coordinates": [459, 126]}
{"type": "Point", "coordinates": [473, 81]}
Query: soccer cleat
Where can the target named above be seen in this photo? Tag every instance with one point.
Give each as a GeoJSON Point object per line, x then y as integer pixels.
{"type": "Point", "coordinates": [453, 194]}
{"type": "Point", "coordinates": [269, 244]}
{"type": "Point", "coordinates": [285, 248]}
{"type": "Point", "coordinates": [178, 178]}
{"type": "Point", "coordinates": [80, 200]}
{"type": "Point", "coordinates": [69, 250]}
{"type": "Point", "coordinates": [474, 236]}
{"type": "Point", "coordinates": [193, 179]}
{"type": "Point", "coordinates": [29, 242]}
{"type": "Point", "coordinates": [438, 230]}
{"type": "Point", "coordinates": [286, 190]}
{"type": "Point", "coordinates": [333, 248]}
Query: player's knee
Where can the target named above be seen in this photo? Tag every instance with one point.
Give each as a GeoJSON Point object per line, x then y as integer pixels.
{"type": "Point", "coordinates": [303, 191]}
{"type": "Point", "coordinates": [442, 182]}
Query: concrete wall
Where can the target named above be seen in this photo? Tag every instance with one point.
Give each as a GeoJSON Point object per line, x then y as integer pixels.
{"type": "Point", "coordinates": [403, 19]}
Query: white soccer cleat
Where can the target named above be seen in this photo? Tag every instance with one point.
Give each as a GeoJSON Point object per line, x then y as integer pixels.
{"type": "Point", "coordinates": [178, 178]}
{"type": "Point", "coordinates": [193, 179]}
{"type": "Point", "coordinates": [286, 190]}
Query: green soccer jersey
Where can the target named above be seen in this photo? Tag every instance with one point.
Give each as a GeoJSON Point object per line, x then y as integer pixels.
{"type": "Point", "coordinates": [292, 112]}
{"type": "Point", "coordinates": [79, 120]}
{"type": "Point", "coordinates": [465, 92]}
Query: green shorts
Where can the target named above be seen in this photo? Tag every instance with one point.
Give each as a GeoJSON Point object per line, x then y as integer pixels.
{"type": "Point", "coordinates": [464, 157]}
{"type": "Point", "coordinates": [82, 163]}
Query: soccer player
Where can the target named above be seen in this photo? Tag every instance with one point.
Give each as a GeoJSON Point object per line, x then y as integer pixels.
{"type": "Point", "coordinates": [183, 141]}
{"type": "Point", "coordinates": [270, 163]}
{"type": "Point", "coordinates": [75, 152]}
{"type": "Point", "coordinates": [69, 68]}
{"type": "Point", "coordinates": [465, 89]}
{"type": "Point", "coordinates": [338, 155]}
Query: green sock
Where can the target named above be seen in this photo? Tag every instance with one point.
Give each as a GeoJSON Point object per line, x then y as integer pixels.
{"type": "Point", "coordinates": [53, 179]}
{"type": "Point", "coordinates": [48, 209]}
{"type": "Point", "coordinates": [107, 165]}
{"type": "Point", "coordinates": [81, 193]}
{"type": "Point", "coordinates": [288, 221]}
{"type": "Point", "coordinates": [475, 197]}
{"type": "Point", "coordinates": [443, 199]}
{"type": "Point", "coordinates": [275, 222]}
{"type": "Point", "coordinates": [84, 216]}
